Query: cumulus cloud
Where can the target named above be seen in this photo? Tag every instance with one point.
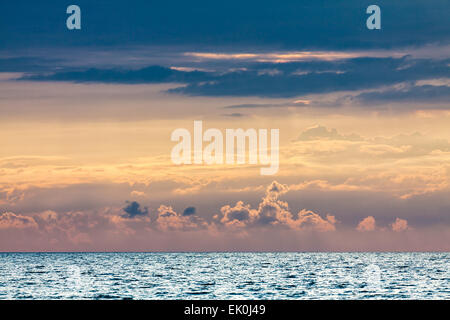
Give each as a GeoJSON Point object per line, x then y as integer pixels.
{"type": "Point", "coordinates": [272, 217]}
{"type": "Point", "coordinates": [275, 189]}
{"type": "Point", "coordinates": [81, 230]}
{"type": "Point", "coordinates": [274, 212]}
{"type": "Point", "coordinates": [367, 224]}
{"type": "Point", "coordinates": [239, 215]}
{"type": "Point", "coordinates": [9, 220]}
{"type": "Point", "coordinates": [310, 219]}
{"type": "Point", "coordinates": [133, 209]}
{"type": "Point", "coordinates": [400, 225]}
{"type": "Point", "coordinates": [168, 219]}
{"type": "Point", "coordinates": [81, 226]}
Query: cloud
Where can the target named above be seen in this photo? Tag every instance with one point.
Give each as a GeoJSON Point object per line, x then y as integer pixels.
{"type": "Point", "coordinates": [377, 159]}
{"type": "Point", "coordinates": [400, 225]}
{"type": "Point", "coordinates": [401, 145]}
{"type": "Point", "coordinates": [239, 215]}
{"type": "Point", "coordinates": [274, 212]}
{"type": "Point", "coordinates": [320, 133]}
{"type": "Point", "coordinates": [317, 77]}
{"type": "Point", "coordinates": [417, 143]}
{"type": "Point", "coordinates": [133, 209]}
{"type": "Point", "coordinates": [367, 224]}
{"type": "Point", "coordinates": [169, 220]}
{"type": "Point", "coordinates": [260, 105]}
{"type": "Point", "coordinates": [238, 226]}
{"type": "Point", "coordinates": [297, 103]}
{"type": "Point", "coordinates": [208, 24]}
{"type": "Point", "coordinates": [410, 93]}
{"type": "Point", "coordinates": [137, 193]}
{"type": "Point", "coordinates": [277, 57]}
{"type": "Point", "coordinates": [275, 189]}
{"type": "Point", "coordinates": [150, 74]}
{"type": "Point", "coordinates": [309, 219]}
{"type": "Point", "coordinates": [234, 115]}
{"type": "Point", "coordinates": [293, 79]}
{"type": "Point", "coordinates": [189, 211]}
{"type": "Point", "coordinates": [9, 220]}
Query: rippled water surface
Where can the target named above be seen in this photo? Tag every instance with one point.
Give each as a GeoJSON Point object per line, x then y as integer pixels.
{"type": "Point", "coordinates": [224, 275]}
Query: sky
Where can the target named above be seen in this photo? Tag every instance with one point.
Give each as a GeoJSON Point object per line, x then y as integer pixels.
{"type": "Point", "coordinates": [86, 119]}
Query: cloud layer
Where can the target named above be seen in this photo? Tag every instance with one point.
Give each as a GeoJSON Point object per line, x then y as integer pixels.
{"type": "Point", "coordinates": [205, 23]}
{"type": "Point", "coordinates": [94, 229]}
{"type": "Point", "coordinates": [289, 79]}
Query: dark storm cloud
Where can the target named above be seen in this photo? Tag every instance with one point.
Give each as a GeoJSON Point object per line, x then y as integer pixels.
{"type": "Point", "coordinates": [189, 211]}
{"type": "Point", "coordinates": [292, 79]}
{"type": "Point", "coordinates": [151, 74]}
{"type": "Point", "coordinates": [133, 209]}
{"type": "Point", "coordinates": [284, 24]}
{"type": "Point", "coordinates": [313, 78]}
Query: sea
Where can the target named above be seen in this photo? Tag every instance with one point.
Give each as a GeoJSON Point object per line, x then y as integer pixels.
{"type": "Point", "coordinates": [225, 275]}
